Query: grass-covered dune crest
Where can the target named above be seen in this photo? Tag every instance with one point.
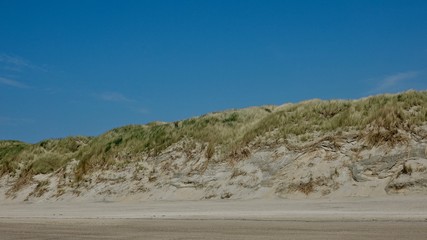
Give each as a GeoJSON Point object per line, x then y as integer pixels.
{"type": "Point", "coordinates": [226, 137]}
{"type": "Point", "coordinates": [230, 131]}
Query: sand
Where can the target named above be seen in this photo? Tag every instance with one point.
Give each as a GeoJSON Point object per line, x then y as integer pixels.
{"type": "Point", "coordinates": [208, 229]}
{"type": "Point", "coordinates": [347, 218]}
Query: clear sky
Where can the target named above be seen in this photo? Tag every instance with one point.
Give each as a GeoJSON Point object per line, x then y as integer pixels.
{"type": "Point", "coordinates": [84, 67]}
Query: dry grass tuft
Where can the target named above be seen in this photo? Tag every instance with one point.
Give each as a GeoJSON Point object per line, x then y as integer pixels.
{"type": "Point", "coordinates": [40, 189]}
{"type": "Point", "coordinates": [24, 179]}
{"type": "Point", "coordinates": [305, 188]}
{"type": "Point", "coordinates": [237, 172]}
{"type": "Point", "coordinates": [385, 126]}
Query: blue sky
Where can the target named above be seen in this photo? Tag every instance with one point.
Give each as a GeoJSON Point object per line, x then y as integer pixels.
{"type": "Point", "coordinates": [84, 67]}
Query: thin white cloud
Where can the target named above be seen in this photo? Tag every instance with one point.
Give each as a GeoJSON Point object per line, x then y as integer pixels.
{"type": "Point", "coordinates": [12, 83]}
{"type": "Point", "coordinates": [10, 68]}
{"type": "Point", "coordinates": [113, 97]}
{"type": "Point", "coordinates": [126, 102]}
{"type": "Point", "coordinates": [8, 121]}
{"type": "Point", "coordinates": [393, 80]}
{"type": "Point", "coordinates": [15, 63]}
{"type": "Point", "coordinates": [141, 110]}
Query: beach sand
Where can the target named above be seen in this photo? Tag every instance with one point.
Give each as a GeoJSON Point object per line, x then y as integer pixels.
{"type": "Point", "coordinates": [350, 218]}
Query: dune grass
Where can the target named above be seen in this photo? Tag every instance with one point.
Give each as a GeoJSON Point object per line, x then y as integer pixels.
{"type": "Point", "coordinates": [43, 157]}
{"type": "Point", "coordinates": [379, 119]}
{"type": "Point", "coordinates": [134, 141]}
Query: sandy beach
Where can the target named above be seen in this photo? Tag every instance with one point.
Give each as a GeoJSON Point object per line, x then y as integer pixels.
{"type": "Point", "coordinates": [349, 218]}
{"type": "Point", "coordinates": [207, 229]}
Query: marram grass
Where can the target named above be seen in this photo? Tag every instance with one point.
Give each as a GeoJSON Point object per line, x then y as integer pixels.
{"type": "Point", "coordinates": [379, 119]}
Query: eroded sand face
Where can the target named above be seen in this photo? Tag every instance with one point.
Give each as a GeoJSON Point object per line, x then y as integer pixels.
{"type": "Point", "coordinates": [325, 168]}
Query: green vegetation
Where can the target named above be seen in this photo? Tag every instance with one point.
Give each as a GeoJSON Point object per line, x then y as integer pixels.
{"type": "Point", "coordinates": [9, 151]}
{"type": "Point", "coordinates": [378, 119]}
{"type": "Point", "coordinates": [43, 157]}
{"type": "Point", "coordinates": [383, 115]}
